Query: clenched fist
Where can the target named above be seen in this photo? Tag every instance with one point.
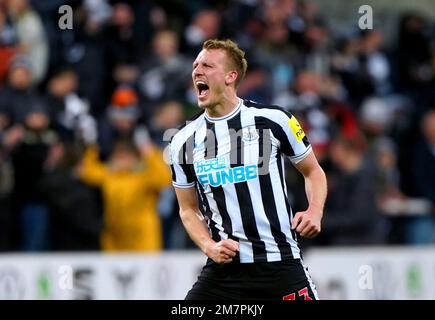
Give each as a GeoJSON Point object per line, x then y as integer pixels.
{"type": "Point", "coordinates": [307, 223]}
{"type": "Point", "coordinates": [223, 251]}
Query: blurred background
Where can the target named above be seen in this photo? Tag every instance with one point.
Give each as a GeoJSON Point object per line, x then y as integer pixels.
{"type": "Point", "coordinates": [82, 116]}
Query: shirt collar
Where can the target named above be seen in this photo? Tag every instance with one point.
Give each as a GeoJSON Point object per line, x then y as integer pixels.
{"type": "Point", "coordinates": [227, 116]}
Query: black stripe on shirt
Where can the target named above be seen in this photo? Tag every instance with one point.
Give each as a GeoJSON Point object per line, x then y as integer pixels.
{"type": "Point", "coordinates": [278, 132]}
{"type": "Point", "coordinates": [174, 176]}
{"type": "Point", "coordinates": [210, 141]}
{"type": "Point", "coordinates": [281, 176]}
{"type": "Point", "coordinates": [243, 196]}
{"type": "Point", "coordinates": [218, 192]}
{"type": "Point", "coordinates": [269, 200]}
{"type": "Point", "coordinates": [206, 211]}
{"type": "Point", "coordinates": [185, 159]}
{"type": "Point", "coordinates": [305, 141]}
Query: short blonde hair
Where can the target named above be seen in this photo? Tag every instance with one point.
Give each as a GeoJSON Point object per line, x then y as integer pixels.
{"type": "Point", "coordinates": [233, 51]}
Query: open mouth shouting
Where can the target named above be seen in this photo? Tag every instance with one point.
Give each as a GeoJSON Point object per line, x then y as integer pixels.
{"type": "Point", "coordinates": [202, 89]}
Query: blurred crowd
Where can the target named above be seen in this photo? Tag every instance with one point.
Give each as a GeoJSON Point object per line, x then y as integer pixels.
{"type": "Point", "coordinates": [83, 113]}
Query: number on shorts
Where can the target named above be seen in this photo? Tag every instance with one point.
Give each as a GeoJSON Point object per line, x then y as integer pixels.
{"type": "Point", "coordinates": [302, 293]}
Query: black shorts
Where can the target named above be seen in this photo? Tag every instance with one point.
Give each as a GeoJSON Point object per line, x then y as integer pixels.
{"type": "Point", "coordinates": [281, 280]}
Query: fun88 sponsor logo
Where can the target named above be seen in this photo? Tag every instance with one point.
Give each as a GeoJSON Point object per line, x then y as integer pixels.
{"type": "Point", "coordinates": [215, 172]}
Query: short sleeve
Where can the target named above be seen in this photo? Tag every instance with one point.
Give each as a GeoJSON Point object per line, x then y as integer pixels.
{"type": "Point", "coordinates": [293, 140]}
{"type": "Point", "coordinates": [182, 171]}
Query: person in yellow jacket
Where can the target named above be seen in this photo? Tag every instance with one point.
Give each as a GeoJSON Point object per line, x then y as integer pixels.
{"type": "Point", "coordinates": [130, 182]}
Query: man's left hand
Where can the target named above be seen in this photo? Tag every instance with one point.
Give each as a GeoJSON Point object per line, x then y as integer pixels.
{"type": "Point", "coordinates": [307, 223]}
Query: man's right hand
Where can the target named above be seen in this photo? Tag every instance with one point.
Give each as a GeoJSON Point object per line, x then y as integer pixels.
{"type": "Point", "coordinates": [223, 251]}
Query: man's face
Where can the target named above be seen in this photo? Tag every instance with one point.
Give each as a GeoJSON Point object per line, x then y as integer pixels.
{"type": "Point", "coordinates": [123, 124]}
{"type": "Point", "coordinates": [37, 121]}
{"type": "Point", "coordinates": [338, 154]}
{"type": "Point", "coordinates": [209, 74]}
{"type": "Point", "coordinates": [20, 78]}
{"type": "Point", "coordinates": [124, 160]}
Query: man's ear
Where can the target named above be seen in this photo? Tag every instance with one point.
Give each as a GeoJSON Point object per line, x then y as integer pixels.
{"type": "Point", "coordinates": [231, 77]}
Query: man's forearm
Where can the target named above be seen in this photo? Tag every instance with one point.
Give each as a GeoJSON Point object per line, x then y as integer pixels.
{"type": "Point", "coordinates": [197, 229]}
{"type": "Point", "coordinates": [316, 190]}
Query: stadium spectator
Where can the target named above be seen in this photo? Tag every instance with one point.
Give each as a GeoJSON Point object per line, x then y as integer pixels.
{"type": "Point", "coordinates": [69, 113]}
{"type": "Point", "coordinates": [6, 187]}
{"type": "Point", "coordinates": [29, 144]}
{"type": "Point", "coordinates": [85, 52]}
{"type": "Point", "coordinates": [75, 217]}
{"type": "Point", "coordinates": [375, 61]}
{"type": "Point", "coordinates": [257, 85]}
{"type": "Point", "coordinates": [410, 218]}
{"type": "Point", "coordinates": [130, 182]}
{"type": "Point", "coordinates": [123, 48]}
{"type": "Point", "coordinates": [307, 99]}
{"type": "Point", "coordinates": [167, 116]}
{"type": "Point", "coordinates": [19, 94]}
{"type": "Point", "coordinates": [376, 118]}
{"type": "Point", "coordinates": [344, 61]}
{"type": "Point", "coordinates": [351, 213]}
{"type": "Point", "coordinates": [204, 25]}
{"type": "Point", "coordinates": [423, 164]}
{"type": "Point", "coordinates": [31, 36]}
{"type": "Point", "coordinates": [424, 159]}
{"type": "Point", "coordinates": [121, 120]}
{"type": "Point", "coordinates": [8, 43]}
{"type": "Point", "coordinates": [316, 52]}
{"type": "Point", "coordinates": [414, 60]}
{"type": "Point", "coordinates": [165, 72]}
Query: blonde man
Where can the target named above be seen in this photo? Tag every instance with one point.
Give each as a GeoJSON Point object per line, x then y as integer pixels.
{"type": "Point", "coordinates": [228, 174]}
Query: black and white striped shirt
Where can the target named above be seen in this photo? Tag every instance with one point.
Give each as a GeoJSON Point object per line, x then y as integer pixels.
{"type": "Point", "coordinates": [236, 164]}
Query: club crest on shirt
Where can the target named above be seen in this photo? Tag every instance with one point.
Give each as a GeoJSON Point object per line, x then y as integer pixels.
{"type": "Point", "coordinates": [296, 128]}
{"type": "Point", "coordinates": [249, 134]}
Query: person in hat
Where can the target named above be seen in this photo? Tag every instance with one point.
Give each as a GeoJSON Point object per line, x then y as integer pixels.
{"type": "Point", "coordinates": [121, 121]}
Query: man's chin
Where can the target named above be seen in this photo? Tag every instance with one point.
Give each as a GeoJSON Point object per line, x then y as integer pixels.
{"type": "Point", "coordinates": [203, 104]}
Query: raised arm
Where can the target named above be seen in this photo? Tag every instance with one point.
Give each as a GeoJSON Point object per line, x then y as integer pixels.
{"type": "Point", "coordinates": [308, 223]}
{"type": "Point", "coordinates": [158, 173]}
{"type": "Point", "coordinates": [220, 252]}
{"type": "Point", "coordinates": [92, 170]}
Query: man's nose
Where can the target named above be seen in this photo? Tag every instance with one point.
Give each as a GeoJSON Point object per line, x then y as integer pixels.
{"type": "Point", "coordinates": [197, 71]}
